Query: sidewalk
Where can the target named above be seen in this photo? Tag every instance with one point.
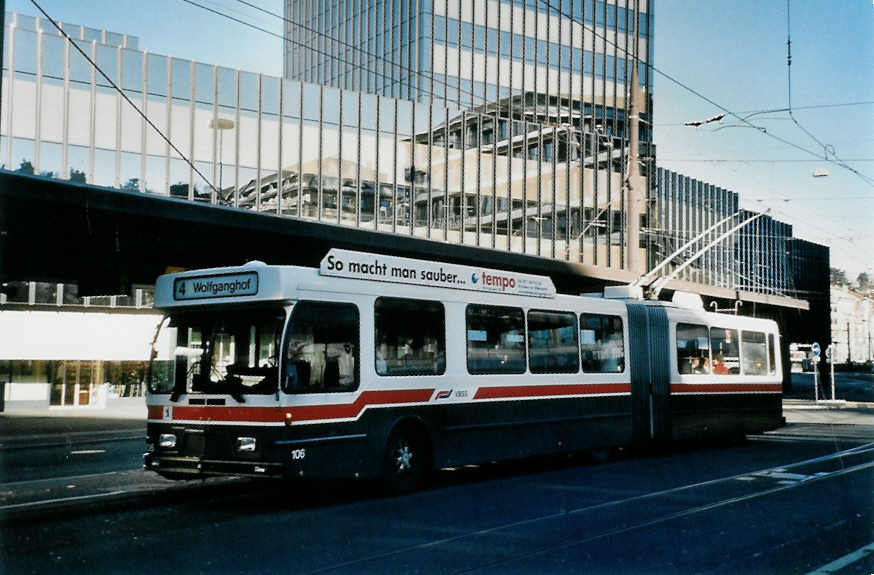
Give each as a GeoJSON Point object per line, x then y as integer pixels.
{"type": "Point", "coordinates": [789, 403]}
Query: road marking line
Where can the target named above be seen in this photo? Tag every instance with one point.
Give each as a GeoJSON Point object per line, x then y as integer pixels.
{"type": "Point", "coordinates": [59, 500]}
{"type": "Point", "coordinates": [780, 474]}
{"type": "Point", "coordinates": [32, 482]}
{"type": "Point", "coordinates": [842, 562]}
{"type": "Point", "coordinates": [87, 452]}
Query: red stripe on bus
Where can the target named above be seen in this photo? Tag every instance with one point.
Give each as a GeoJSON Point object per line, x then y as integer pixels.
{"type": "Point", "coordinates": [723, 387]}
{"type": "Point", "coordinates": [544, 390]}
{"type": "Point", "coordinates": [299, 413]}
{"type": "Point", "coordinates": [344, 411]}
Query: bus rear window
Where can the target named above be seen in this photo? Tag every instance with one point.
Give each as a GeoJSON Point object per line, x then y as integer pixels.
{"type": "Point", "coordinates": [410, 337]}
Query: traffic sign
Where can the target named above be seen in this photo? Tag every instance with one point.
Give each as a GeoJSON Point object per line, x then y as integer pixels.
{"type": "Point", "coordinates": [815, 349]}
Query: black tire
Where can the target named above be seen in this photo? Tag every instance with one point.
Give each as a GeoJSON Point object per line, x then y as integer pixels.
{"type": "Point", "coordinates": [406, 463]}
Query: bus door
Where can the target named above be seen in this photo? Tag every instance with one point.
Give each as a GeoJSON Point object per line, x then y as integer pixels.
{"type": "Point", "coordinates": [650, 381]}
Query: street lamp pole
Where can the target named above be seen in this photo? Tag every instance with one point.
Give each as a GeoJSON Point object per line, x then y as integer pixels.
{"type": "Point", "coordinates": [221, 124]}
{"type": "Point", "coordinates": [2, 40]}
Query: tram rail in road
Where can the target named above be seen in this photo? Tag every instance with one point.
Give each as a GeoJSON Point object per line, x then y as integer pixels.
{"type": "Point", "coordinates": [740, 488]}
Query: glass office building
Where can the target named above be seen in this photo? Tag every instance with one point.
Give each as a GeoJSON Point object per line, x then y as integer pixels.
{"type": "Point", "coordinates": [754, 259]}
{"type": "Point", "coordinates": [526, 172]}
{"type": "Point", "coordinates": [509, 117]}
{"type": "Point", "coordinates": [501, 125]}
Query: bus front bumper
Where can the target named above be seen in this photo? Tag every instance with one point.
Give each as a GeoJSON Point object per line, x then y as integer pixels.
{"type": "Point", "coordinates": [195, 467]}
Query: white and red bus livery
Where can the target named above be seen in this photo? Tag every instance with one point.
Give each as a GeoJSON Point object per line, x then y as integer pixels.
{"type": "Point", "coordinates": [375, 364]}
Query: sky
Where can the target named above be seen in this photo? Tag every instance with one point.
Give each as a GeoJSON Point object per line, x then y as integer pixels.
{"type": "Point", "coordinates": [732, 52]}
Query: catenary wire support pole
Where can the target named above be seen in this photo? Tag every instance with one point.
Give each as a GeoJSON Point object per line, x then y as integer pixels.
{"type": "Point", "coordinates": [633, 198]}
{"type": "Point", "coordinates": [2, 40]}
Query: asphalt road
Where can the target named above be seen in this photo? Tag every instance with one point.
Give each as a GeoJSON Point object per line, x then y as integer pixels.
{"type": "Point", "coordinates": [70, 459]}
{"type": "Point", "coordinates": [780, 504]}
{"type": "Point", "coordinates": [848, 386]}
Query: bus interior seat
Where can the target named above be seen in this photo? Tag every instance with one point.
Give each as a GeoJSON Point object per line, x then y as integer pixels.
{"type": "Point", "coordinates": [303, 372]}
{"type": "Point", "coordinates": [332, 373]}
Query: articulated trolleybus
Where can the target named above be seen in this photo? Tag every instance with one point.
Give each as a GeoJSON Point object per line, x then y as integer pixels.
{"type": "Point", "coordinates": [375, 365]}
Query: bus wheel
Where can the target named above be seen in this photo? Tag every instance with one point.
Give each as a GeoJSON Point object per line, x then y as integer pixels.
{"type": "Point", "coordinates": [405, 464]}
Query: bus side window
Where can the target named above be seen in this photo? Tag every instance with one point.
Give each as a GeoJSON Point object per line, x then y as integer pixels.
{"type": "Point", "coordinates": [495, 339]}
{"type": "Point", "coordinates": [725, 349]}
{"type": "Point", "coordinates": [693, 349]}
{"type": "Point", "coordinates": [602, 343]}
{"type": "Point", "coordinates": [772, 363]}
{"type": "Point", "coordinates": [321, 353]}
{"type": "Point", "coordinates": [753, 353]}
{"type": "Point", "coordinates": [410, 337]}
{"type": "Point", "coordinates": [552, 342]}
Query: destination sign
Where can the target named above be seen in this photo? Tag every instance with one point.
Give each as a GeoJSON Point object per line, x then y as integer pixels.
{"type": "Point", "coordinates": [218, 286]}
{"type": "Point", "coordinates": [365, 266]}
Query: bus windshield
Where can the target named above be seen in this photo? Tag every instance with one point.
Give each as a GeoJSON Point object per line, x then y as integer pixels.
{"type": "Point", "coordinates": [231, 352]}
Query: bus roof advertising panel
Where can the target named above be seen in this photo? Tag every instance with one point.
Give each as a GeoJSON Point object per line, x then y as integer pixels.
{"type": "Point", "coordinates": [376, 267]}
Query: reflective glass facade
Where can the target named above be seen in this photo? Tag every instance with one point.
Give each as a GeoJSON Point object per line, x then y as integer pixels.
{"type": "Point", "coordinates": [513, 174]}
{"type": "Point", "coordinates": [535, 168]}
{"type": "Point", "coordinates": [534, 92]}
{"type": "Point", "coordinates": [754, 259]}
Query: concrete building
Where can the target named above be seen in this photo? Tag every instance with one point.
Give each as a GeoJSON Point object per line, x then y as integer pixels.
{"type": "Point", "coordinates": [852, 313]}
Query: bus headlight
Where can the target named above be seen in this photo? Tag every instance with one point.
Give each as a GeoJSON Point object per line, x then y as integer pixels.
{"type": "Point", "coordinates": [167, 440]}
{"type": "Point", "coordinates": [246, 444]}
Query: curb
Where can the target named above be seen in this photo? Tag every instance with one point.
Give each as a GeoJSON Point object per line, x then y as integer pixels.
{"type": "Point", "coordinates": [829, 404]}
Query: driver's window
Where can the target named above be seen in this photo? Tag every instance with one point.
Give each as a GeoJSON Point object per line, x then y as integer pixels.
{"type": "Point", "coordinates": [321, 353]}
